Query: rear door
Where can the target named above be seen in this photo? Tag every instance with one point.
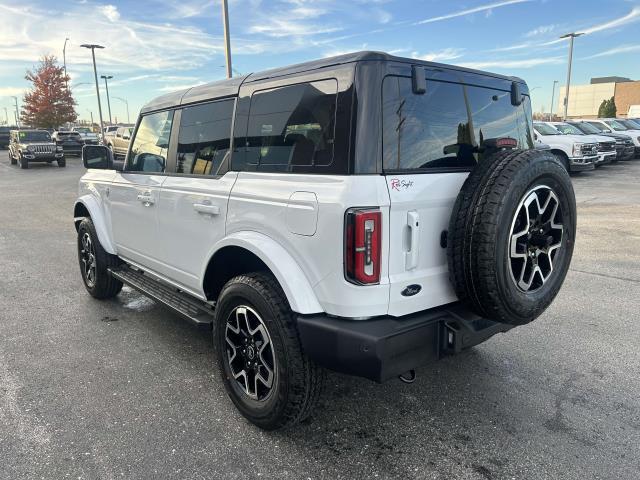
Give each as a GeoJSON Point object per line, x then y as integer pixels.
{"type": "Point", "coordinates": [193, 200]}
{"type": "Point", "coordinates": [135, 193]}
{"type": "Point", "coordinates": [429, 149]}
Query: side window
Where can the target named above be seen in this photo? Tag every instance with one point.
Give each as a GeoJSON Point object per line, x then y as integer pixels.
{"type": "Point", "coordinates": [204, 137]}
{"type": "Point", "coordinates": [151, 143]}
{"type": "Point", "coordinates": [292, 126]}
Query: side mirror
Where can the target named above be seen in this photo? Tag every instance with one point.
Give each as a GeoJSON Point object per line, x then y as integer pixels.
{"type": "Point", "coordinates": [516, 95]}
{"type": "Point", "coordinates": [97, 156]}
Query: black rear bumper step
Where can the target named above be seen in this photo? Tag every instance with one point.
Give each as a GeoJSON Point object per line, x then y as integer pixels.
{"type": "Point", "coordinates": [384, 347]}
{"type": "Point", "coordinates": [198, 312]}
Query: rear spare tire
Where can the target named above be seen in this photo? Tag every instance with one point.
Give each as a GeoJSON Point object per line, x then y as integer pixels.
{"type": "Point", "coordinates": [511, 235]}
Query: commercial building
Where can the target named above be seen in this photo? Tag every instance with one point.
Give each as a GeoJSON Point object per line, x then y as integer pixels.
{"type": "Point", "coordinates": [585, 100]}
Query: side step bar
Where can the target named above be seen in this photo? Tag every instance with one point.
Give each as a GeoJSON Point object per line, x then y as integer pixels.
{"type": "Point", "coordinates": [194, 310]}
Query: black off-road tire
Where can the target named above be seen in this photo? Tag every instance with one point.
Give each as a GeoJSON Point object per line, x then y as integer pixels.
{"type": "Point", "coordinates": [62, 162]}
{"type": "Point", "coordinates": [104, 286]}
{"type": "Point", "coordinates": [481, 226]}
{"type": "Point", "coordinates": [13, 159]}
{"type": "Point", "coordinates": [298, 381]}
{"type": "Point", "coordinates": [24, 163]}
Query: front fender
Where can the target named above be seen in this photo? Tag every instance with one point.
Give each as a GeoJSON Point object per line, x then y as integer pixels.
{"type": "Point", "coordinates": [292, 279]}
{"type": "Point", "coordinates": [91, 204]}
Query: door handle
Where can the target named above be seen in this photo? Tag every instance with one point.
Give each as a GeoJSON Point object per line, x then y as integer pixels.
{"type": "Point", "coordinates": [411, 256]}
{"type": "Point", "coordinates": [146, 199]}
{"type": "Point", "coordinates": [206, 208]}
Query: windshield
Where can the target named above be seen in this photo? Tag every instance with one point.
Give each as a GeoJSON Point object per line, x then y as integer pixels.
{"type": "Point", "coordinates": [586, 128]}
{"type": "Point", "coordinates": [567, 129]}
{"type": "Point", "coordinates": [630, 124]}
{"type": "Point", "coordinates": [544, 129]}
{"type": "Point", "coordinates": [617, 126]}
{"type": "Point", "coordinates": [36, 136]}
{"type": "Point", "coordinates": [83, 130]}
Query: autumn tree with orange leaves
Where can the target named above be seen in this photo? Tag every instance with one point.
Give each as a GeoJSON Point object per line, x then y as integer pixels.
{"type": "Point", "coordinates": [49, 104]}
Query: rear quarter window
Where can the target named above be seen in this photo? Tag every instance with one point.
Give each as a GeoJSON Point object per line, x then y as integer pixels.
{"type": "Point", "coordinates": [291, 127]}
{"type": "Point", "coordinates": [443, 128]}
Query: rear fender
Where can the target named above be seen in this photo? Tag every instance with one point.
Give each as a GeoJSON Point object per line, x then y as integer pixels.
{"type": "Point", "coordinates": [290, 276]}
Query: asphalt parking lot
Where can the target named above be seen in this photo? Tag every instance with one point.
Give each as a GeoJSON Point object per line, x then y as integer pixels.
{"type": "Point", "coordinates": [124, 389]}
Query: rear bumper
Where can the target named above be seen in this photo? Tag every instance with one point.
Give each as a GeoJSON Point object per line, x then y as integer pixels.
{"type": "Point", "coordinates": [385, 347]}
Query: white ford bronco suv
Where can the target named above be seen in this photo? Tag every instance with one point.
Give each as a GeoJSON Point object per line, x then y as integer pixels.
{"type": "Point", "coordinates": [366, 213]}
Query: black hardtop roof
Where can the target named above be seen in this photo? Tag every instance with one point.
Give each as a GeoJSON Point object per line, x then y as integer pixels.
{"type": "Point", "coordinates": [29, 130]}
{"type": "Point", "coordinates": [231, 87]}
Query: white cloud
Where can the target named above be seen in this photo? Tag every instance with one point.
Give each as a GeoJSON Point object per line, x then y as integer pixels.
{"type": "Point", "coordinates": [12, 91]}
{"type": "Point", "coordinates": [110, 11]}
{"type": "Point", "coordinates": [615, 51]}
{"type": "Point", "coordinates": [541, 30]}
{"type": "Point", "coordinates": [468, 11]}
{"type": "Point", "coordinates": [632, 16]}
{"type": "Point", "coordinates": [510, 64]}
{"type": "Point", "coordinates": [281, 27]}
{"type": "Point", "coordinates": [440, 56]}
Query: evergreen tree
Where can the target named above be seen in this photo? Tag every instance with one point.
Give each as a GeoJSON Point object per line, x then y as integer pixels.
{"type": "Point", "coordinates": [607, 108]}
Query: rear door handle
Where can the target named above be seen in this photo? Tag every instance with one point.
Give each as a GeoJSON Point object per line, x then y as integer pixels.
{"type": "Point", "coordinates": [411, 256]}
{"type": "Point", "coordinates": [206, 208]}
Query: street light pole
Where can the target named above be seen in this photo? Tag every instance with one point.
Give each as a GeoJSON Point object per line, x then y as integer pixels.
{"type": "Point", "coordinates": [106, 86]}
{"type": "Point", "coordinates": [15, 99]}
{"type": "Point", "coordinates": [227, 41]}
{"type": "Point", "coordinates": [127, 104]}
{"type": "Point", "coordinates": [570, 36]}
{"type": "Point", "coordinates": [553, 93]}
{"type": "Point", "coordinates": [64, 59]}
{"type": "Point", "coordinates": [6, 115]}
{"type": "Point", "coordinates": [95, 74]}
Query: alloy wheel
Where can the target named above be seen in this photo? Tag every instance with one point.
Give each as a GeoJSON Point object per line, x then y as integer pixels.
{"type": "Point", "coordinates": [536, 238]}
{"type": "Point", "coordinates": [88, 260]}
{"type": "Point", "coordinates": [250, 353]}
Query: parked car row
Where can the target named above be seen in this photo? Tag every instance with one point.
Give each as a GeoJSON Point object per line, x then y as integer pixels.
{"type": "Point", "coordinates": [584, 144]}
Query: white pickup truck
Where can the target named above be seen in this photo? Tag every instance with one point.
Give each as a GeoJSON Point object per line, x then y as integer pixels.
{"type": "Point", "coordinates": [574, 153]}
{"type": "Point", "coordinates": [606, 145]}
{"type": "Point", "coordinates": [366, 213]}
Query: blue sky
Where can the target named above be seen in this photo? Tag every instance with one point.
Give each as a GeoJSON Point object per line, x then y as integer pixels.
{"type": "Point", "coordinates": [153, 47]}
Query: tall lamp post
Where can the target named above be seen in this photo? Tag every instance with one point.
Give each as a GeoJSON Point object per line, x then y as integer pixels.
{"type": "Point", "coordinates": [64, 60]}
{"type": "Point", "coordinates": [127, 104]}
{"type": "Point", "coordinates": [95, 74]}
{"type": "Point", "coordinates": [553, 95]}
{"type": "Point", "coordinates": [570, 36]}
{"type": "Point", "coordinates": [227, 41]}
{"type": "Point", "coordinates": [15, 99]}
{"type": "Point", "coordinates": [6, 115]}
{"type": "Point", "coordinates": [106, 86]}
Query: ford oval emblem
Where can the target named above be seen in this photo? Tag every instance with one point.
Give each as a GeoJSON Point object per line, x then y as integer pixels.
{"type": "Point", "coordinates": [411, 290]}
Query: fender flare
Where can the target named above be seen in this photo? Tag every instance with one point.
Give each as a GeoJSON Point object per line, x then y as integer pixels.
{"type": "Point", "coordinates": [292, 279]}
{"type": "Point", "coordinates": [95, 210]}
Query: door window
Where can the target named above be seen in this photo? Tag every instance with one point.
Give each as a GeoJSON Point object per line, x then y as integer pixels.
{"type": "Point", "coordinates": [291, 126]}
{"type": "Point", "coordinates": [204, 138]}
{"type": "Point", "coordinates": [151, 143]}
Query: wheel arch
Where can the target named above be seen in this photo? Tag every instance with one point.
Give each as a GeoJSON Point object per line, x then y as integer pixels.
{"type": "Point", "coordinates": [88, 207]}
{"type": "Point", "coordinates": [245, 252]}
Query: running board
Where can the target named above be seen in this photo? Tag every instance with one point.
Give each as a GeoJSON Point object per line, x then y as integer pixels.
{"type": "Point", "coordinates": [194, 310]}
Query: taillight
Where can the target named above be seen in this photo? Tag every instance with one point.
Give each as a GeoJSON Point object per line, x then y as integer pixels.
{"type": "Point", "coordinates": [363, 234]}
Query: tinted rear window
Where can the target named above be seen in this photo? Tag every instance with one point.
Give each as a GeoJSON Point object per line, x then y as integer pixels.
{"type": "Point", "coordinates": [443, 127]}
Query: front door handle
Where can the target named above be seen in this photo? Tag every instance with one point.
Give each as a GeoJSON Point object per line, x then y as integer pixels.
{"type": "Point", "coordinates": [206, 208]}
{"type": "Point", "coordinates": [146, 199]}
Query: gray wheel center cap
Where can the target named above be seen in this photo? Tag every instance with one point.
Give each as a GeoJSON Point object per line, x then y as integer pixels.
{"type": "Point", "coordinates": [251, 353]}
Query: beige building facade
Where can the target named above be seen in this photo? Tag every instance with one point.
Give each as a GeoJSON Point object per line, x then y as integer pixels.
{"type": "Point", "coordinates": [585, 100]}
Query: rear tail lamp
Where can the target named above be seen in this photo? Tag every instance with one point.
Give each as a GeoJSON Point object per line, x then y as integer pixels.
{"type": "Point", "coordinates": [363, 234]}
